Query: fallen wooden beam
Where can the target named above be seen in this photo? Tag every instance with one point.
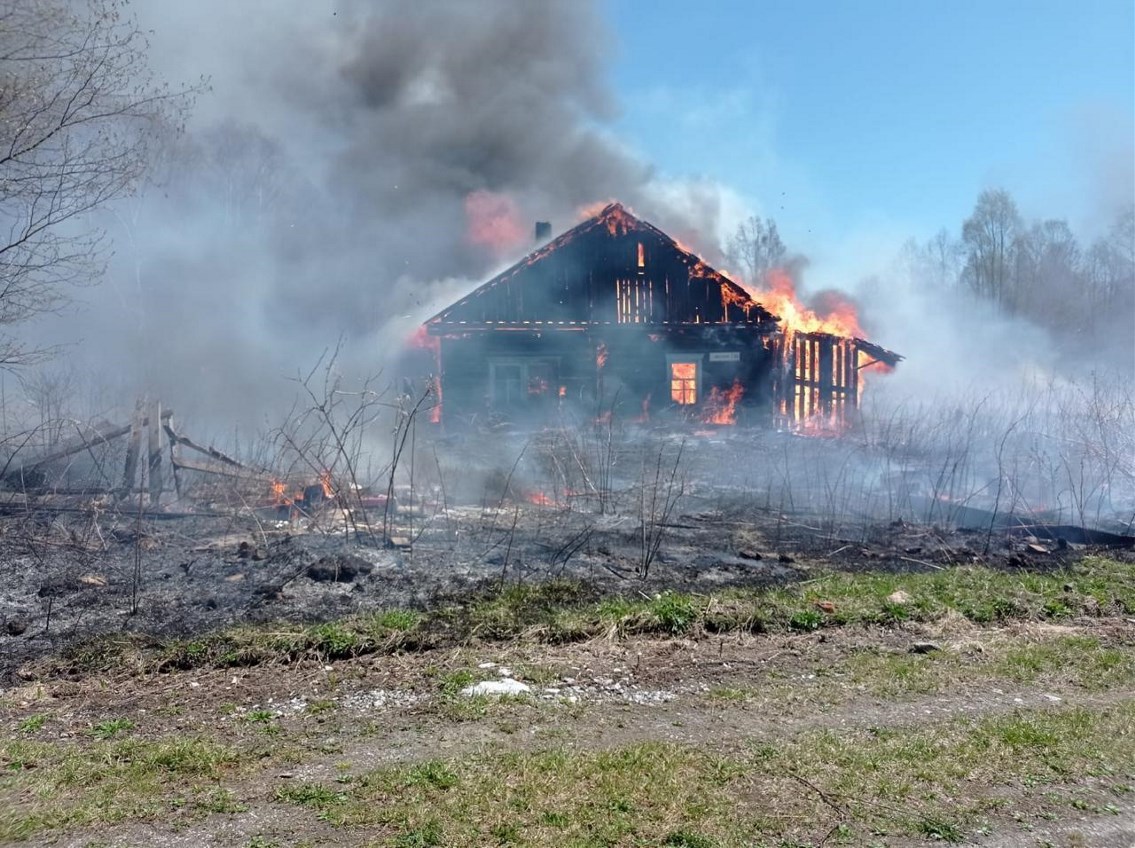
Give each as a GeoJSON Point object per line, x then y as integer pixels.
{"type": "Point", "coordinates": [178, 439]}
{"type": "Point", "coordinates": [179, 461]}
{"type": "Point", "coordinates": [102, 434]}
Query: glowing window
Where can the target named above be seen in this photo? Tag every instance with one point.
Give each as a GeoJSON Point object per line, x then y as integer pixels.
{"type": "Point", "coordinates": [684, 383]}
{"type": "Point", "coordinates": [641, 256]}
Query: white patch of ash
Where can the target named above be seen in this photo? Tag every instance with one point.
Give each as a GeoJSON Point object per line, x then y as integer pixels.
{"type": "Point", "coordinates": [377, 699]}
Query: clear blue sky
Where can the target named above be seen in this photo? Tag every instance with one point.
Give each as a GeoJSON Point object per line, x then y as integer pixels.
{"type": "Point", "coordinates": [839, 118]}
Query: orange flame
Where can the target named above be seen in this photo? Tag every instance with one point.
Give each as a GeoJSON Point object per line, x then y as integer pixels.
{"type": "Point", "coordinates": [780, 298]}
{"type": "Point", "coordinates": [326, 483]}
{"type": "Point", "coordinates": [798, 324]}
{"type": "Point", "coordinates": [613, 216]}
{"type": "Point", "coordinates": [683, 383]}
{"type": "Point", "coordinates": [644, 416]}
{"type": "Point", "coordinates": [281, 495]}
{"type": "Point", "coordinates": [493, 221]}
{"type": "Point", "coordinates": [421, 339]}
{"type": "Point", "coordinates": [592, 210]}
{"type": "Point", "coordinates": [601, 355]}
{"type": "Point", "coordinates": [721, 406]}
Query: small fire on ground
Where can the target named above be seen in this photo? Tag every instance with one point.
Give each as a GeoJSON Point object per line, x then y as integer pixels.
{"type": "Point", "coordinates": [720, 406]}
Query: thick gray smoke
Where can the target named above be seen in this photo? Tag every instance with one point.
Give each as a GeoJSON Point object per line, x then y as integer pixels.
{"type": "Point", "coordinates": [355, 166]}
{"type": "Point", "coordinates": [352, 167]}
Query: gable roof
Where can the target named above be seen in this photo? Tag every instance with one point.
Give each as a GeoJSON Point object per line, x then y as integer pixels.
{"type": "Point", "coordinates": [613, 268]}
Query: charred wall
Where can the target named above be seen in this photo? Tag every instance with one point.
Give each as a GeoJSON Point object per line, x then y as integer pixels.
{"type": "Point", "coordinates": [535, 377]}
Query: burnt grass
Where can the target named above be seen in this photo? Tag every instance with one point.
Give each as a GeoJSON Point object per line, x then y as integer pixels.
{"type": "Point", "coordinates": [204, 591]}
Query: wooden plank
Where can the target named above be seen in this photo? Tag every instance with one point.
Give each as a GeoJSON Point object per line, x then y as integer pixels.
{"type": "Point", "coordinates": [826, 364]}
{"type": "Point", "coordinates": [179, 461]}
{"type": "Point", "coordinates": [154, 445]}
{"type": "Point", "coordinates": [103, 433]}
{"type": "Point", "coordinates": [130, 470]}
{"type": "Point", "coordinates": [178, 439]}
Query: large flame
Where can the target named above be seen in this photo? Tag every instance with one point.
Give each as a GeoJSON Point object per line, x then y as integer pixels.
{"type": "Point", "coordinates": [804, 330]}
{"type": "Point", "coordinates": [779, 297]}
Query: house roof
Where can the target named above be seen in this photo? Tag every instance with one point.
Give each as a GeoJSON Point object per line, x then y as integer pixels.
{"type": "Point", "coordinates": [887, 357]}
{"type": "Point", "coordinates": [575, 279]}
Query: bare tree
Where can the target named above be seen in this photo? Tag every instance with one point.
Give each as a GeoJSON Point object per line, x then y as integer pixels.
{"type": "Point", "coordinates": [233, 174]}
{"type": "Point", "coordinates": [48, 394]}
{"type": "Point", "coordinates": [937, 264]}
{"type": "Point", "coordinates": [79, 112]}
{"type": "Point", "coordinates": [1109, 273]}
{"type": "Point", "coordinates": [988, 235]}
{"type": "Point", "coordinates": [1047, 267]}
{"type": "Point", "coordinates": [756, 248]}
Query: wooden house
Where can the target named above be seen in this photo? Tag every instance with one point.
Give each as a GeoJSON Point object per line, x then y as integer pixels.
{"type": "Point", "coordinates": [615, 317]}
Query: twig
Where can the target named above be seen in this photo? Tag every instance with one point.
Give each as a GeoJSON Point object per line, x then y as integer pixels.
{"type": "Point", "coordinates": [923, 562]}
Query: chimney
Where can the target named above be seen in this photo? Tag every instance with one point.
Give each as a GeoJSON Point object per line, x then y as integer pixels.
{"type": "Point", "coordinates": [543, 231]}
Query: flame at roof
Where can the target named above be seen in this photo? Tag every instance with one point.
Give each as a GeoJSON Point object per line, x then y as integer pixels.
{"type": "Point", "coordinates": [595, 254]}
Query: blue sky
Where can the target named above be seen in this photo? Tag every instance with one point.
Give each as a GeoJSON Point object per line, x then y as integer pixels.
{"type": "Point", "coordinates": [842, 119]}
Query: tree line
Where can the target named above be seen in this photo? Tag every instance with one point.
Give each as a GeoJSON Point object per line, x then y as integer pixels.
{"type": "Point", "coordinates": [1036, 270]}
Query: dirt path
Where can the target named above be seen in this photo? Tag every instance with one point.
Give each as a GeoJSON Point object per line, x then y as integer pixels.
{"type": "Point", "coordinates": [606, 726]}
{"type": "Point", "coordinates": [719, 694]}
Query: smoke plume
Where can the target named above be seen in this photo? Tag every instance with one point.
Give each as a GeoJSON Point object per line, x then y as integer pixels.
{"type": "Point", "coordinates": [352, 167]}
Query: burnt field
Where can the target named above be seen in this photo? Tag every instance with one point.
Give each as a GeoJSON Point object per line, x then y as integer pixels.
{"type": "Point", "coordinates": [630, 511]}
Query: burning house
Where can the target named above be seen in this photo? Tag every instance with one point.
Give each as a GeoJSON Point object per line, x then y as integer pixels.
{"type": "Point", "coordinates": [615, 314]}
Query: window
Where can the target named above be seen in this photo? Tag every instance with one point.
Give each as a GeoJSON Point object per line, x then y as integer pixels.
{"type": "Point", "coordinates": [684, 383]}
{"type": "Point", "coordinates": [506, 380]}
{"type": "Point", "coordinates": [519, 380]}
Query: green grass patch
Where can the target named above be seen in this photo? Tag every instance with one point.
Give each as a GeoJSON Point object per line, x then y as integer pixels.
{"type": "Point", "coordinates": [1081, 661]}
{"type": "Point", "coordinates": [61, 786]}
{"type": "Point", "coordinates": [559, 611]}
{"type": "Point", "coordinates": [932, 781]}
{"type": "Point", "coordinates": [32, 723]}
{"type": "Point", "coordinates": [111, 727]}
{"type": "Point", "coordinates": [1060, 661]}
